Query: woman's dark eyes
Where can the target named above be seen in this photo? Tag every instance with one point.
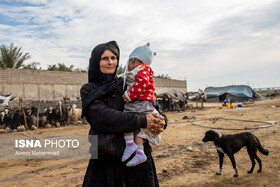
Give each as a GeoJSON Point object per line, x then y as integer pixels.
{"type": "Point", "coordinates": [107, 58]}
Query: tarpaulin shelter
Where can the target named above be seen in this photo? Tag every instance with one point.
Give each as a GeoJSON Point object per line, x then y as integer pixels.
{"type": "Point", "coordinates": [236, 93]}
{"type": "Point", "coordinates": [171, 99]}
{"type": "Point", "coordinates": [170, 93]}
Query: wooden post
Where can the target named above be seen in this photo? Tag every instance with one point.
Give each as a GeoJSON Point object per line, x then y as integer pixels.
{"type": "Point", "coordinates": [38, 111]}
{"type": "Point", "coordinates": [21, 107]}
{"type": "Point", "coordinates": [67, 109]}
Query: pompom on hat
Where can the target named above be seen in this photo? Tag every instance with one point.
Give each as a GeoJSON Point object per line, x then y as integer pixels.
{"type": "Point", "coordinates": [142, 53]}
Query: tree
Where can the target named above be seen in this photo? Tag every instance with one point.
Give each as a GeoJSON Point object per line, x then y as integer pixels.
{"type": "Point", "coordinates": [162, 76]}
{"type": "Point", "coordinates": [12, 57]}
{"type": "Point", "coordinates": [63, 67]}
{"type": "Point", "coordinates": [80, 70]}
{"type": "Point", "coordinates": [32, 65]}
{"type": "Point", "coordinates": [60, 67]}
{"type": "Point", "coordinates": [120, 69]}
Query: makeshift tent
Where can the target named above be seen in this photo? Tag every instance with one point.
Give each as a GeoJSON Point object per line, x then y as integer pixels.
{"type": "Point", "coordinates": [170, 99]}
{"type": "Point", "coordinates": [236, 93]}
{"type": "Point", "coordinates": [170, 93]}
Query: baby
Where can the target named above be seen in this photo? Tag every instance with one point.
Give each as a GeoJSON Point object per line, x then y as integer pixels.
{"type": "Point", "coordinates": [139, 97]}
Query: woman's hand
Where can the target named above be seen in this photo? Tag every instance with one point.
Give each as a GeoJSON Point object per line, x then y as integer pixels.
{"type": "Point", "coordinates": [155, 123]}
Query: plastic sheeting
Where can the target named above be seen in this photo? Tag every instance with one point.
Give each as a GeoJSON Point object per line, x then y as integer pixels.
{"type": "Point", "coordinates": [170, 93]}
{"type": "Point", "coordinates": [237, 91]}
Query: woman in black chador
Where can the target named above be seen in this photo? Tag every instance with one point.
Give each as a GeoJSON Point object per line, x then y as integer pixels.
{"type": "Point", "coordinates": [102, 106]}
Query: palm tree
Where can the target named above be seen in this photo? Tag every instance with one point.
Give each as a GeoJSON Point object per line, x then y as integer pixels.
{"type": "Point", "coordinates": [12, 57]}
{"type": "Point", "coordinates": [33, 66]}
{"type": "Point", "coordinates": [60, 67]}
{"type": "Point", "coordinates": [162, 76]}
{"type": "Point", "coordinates": [81, 70]}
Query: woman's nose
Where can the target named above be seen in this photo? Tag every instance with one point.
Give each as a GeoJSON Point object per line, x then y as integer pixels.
{"type": "Point", "coordinates": [110, 61]}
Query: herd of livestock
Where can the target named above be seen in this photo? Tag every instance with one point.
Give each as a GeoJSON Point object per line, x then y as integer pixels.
{"type": "Point", "coordinates": [30, 118]}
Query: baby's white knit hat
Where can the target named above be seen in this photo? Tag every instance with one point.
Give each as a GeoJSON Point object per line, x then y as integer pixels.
{"type": "Point", "coordinates": [144, 54]}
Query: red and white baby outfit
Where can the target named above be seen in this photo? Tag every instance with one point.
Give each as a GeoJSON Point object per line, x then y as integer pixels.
{"type": "Point", "coordinates": [140, 83]}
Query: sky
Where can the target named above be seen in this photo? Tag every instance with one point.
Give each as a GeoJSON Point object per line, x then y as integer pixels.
{"type": "Point", "coordinates": [205, 42]}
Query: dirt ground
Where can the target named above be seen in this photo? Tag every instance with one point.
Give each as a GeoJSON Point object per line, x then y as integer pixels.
{"type": "Point", "coordinates": [182, 159]}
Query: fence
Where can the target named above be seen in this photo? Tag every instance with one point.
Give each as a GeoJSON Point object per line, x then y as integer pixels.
{"type": "Point", "coordinates": [35, 85]}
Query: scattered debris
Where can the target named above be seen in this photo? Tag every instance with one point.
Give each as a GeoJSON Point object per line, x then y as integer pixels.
{"type": "Point", "coordinates": [190, 149]}
{"type": "Point", "coordinates": [264, 126]}
{"type": "Point", "coordinates": [33, 127]}
{"type": "Point", "coordinates": [21, 128]}
{"type": "Point", "coordinates": [8, 130]}
{"type": "Point", "coordinates": [271, 122]}
{"type": "Point", "coordinates": [48, 126]}
{"type": "Point", "coordinates": [189, 117]}
{"type": "Point", "coordinates": [214, 120]}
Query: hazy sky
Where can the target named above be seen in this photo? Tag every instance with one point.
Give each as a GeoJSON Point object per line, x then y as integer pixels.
{"type": "Point", "coordinates": [206, 42]}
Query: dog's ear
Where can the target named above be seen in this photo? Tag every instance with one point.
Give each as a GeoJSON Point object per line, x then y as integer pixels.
{"type": "Point", "coordinates": [212, 135]}
{"type": "Point", "coordinates": [215, 136]}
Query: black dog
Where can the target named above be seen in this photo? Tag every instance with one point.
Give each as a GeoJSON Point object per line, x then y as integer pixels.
{"type": "Point", "coordinates": [230, 144]}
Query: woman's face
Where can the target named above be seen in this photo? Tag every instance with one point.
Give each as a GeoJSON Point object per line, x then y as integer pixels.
{"type": "Point", "coordinates": [108, 62]}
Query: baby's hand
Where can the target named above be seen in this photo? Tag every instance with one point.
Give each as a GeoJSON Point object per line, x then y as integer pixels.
{"type": "Point", "coordinates": [125, 98]}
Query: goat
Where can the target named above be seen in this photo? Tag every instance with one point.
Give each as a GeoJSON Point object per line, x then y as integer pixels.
{"type": "Point", "coordinates": [75, 114]}
{"type": "Point", "coordinates": [2, 124]}
{"type": "Point", "coordinates": [5, 99]}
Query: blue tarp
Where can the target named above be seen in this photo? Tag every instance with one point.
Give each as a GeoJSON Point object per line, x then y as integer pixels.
{"type": "Point", "coordinates": [242, 91]}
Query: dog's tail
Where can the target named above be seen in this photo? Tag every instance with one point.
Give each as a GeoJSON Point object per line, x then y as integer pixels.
{"type": "Point", "coordinates": [261, 149]}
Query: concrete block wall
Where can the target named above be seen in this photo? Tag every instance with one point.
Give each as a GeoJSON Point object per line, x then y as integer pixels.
{"type": "Point", "coordinates": [179, 85]}
{"type": "Point", "coordinates": [43, 85]}
{"type": "Point", "coordinates": [54, 85]}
